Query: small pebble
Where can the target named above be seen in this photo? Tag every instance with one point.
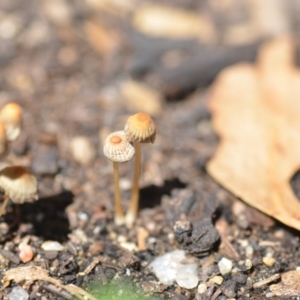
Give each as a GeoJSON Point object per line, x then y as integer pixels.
{"type": "Point", "coordinates": [129, 246]}
{"type": "Point", "coordinates": [225, 266]}
{"type": "Point", "coordinates": [26, 253]}
{"type": "Point", "coordinates": [17, 293]}
{"type": "Point", "coordinates": [188, 281]}
{"type": "Point", "coordinates": [269, 295]}
{"type": "Point", "coordinates": [202, 288]}
{"type": "Point", "coordinates": [168, 266]}
{"type": "Point", "coordinates": [244, 243]}
{"type": "Point", "coordinates": [51, 255]}
{"type": "Point", "coordinates": [10, 256]}
{"type": "Point", "coordinates": [249, 251]}
{"type": "Point", "coordinates": [217, 279]}
{"type": "Point", "coordinates": [269, 261]}
{"type": "Point", "coordinates": [248, 264]}
{"type": "Point", "coordinates": [8, 28]}
{"type": "Point", "coordinates": [240, 278]}
{"type": "Point", "coordinates": [228, 288]}
{"type": "Point", "coordinates": [52, 246]}
{"type": "Point", "coordinates": [83, 150]}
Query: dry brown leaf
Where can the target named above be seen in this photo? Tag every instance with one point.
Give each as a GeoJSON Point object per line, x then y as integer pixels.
{"type": "Point", "coordinates": [30, 274]}
{"type": "Point", "coordinates": [256, 112]}
{"type": "Point", "coordinates": [289, 285]}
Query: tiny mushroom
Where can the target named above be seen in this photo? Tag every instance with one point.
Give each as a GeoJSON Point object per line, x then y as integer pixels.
{"type": "Point", "coordinates": [18, 184]}
{"type": "Point", "coordinates": [118, 150]}
{"type": "Point", "coordinates": [139, 128]}
{"type": "Point", "coordinates": [11, 116]}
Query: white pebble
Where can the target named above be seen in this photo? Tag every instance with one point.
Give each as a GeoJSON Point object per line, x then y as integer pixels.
{"type": "Point", "coordinates": [202, 288]}
{"type": "Point", "coordinates": [225, 266]}
{"type": "Point", "coordinates": [8, 28]}
{"type": "Point", "coordinates": [131, 247]}
{"type": "Point", "coordinates": [52, 246]}
{"type": "Point", "coordinates": [17, 293]}
{"type": "Point", "coordinates": [249, 251]}
{"type": "Point", "coordinates": [248, 264]}
{"type": "Point", "coordinates": [187, 281]}
{"type": "Point", "coordinates": [169, 266]}
{"type": "Point", "coordinates": [83, 150]}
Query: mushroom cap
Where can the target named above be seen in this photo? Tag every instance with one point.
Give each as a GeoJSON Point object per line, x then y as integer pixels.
{"type": "Point", "coordinates": [117, 148]}
{"type": "Point", "coordinates": [11, 116]}
{"type": "Point", "coordinates": [19, 184]}
{"type": "Point", "coordinates": [140, 128]}
{"type": "Point", "coordinates": [3, 140]}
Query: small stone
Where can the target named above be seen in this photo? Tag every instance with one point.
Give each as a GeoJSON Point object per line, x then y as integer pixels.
{"type": "Point", "coordinates": [249, 251]}
{"type": "Point", "coordinates": [269, 295]}
{"type": "Point", "coordinates": [51, 255]}
{"type": "Point", "coordinates": [187, 281]}
{"type": "Point", "coordinates": [269, 261]}
{"type": "Point", "coordinates": [10, 256]}
{"type": "Point", "coordinates": [202, 288]}
{"type": "Point", "coordinates": [248, 264]}
{"type": "Point", "coordinates": [17, 293]}
{"type": "Point", "coordinates": [8, 28]}
{"type": "Point", "coordinates": [244, 243]}
{"type": "Point", "coordinates": [225, 266]}
{"type": "Point", "coordinates": [129, 246]}
{"type": "Point", "coordinates": [52, 246]}
{"type": "Point", "coordinates": [168, 266]}
{"type": "Point", "coordinates": [217, 279]}
{"type": "Point", "coordinates": [26, 253]}
{"type": "Point", "coordinates": [228, 288]}
{"type": "Point", "coordinates": [240, 278]}
{"type": "Point", "coordinates": [83, 150]}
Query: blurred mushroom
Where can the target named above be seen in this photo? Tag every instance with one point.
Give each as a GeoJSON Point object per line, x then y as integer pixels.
{"type": "Point", "coordinates": [11, 116]}
{"type": "Point", "coordinates": [139, 128]}
{"type": "Point", "coordinates": [18, 184]}
{"type": "Point", "coordinates": [118, 150]}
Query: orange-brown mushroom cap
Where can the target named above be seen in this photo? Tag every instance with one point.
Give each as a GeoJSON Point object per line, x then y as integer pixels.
{"type": "Point", "coordinates": [140, 128]}
{"type": "Point", "coordinates": [19, 184]}
{"type": "Point", "coordinates": [11, 116]}
{"type": "Point", "coordinates": [3, 140]}
{"type": "Point", "coordinates": [117, 148]}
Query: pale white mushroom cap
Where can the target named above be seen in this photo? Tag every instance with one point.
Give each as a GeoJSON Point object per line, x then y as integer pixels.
{"type": "Point", "coordinates": [140, 128]}
{"type": "Point", "coordinates": [19, 184]}
{"type": "Point", "coordinates": [3, 140]}
{"type": "Point", "coordinates": [11, 116]}
{"type": "Point", "coordinates": [117, 148]}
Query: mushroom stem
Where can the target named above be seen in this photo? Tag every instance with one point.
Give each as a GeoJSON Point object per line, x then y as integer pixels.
{"type": "Point", "coordinates": [119, 213]}
{"type": "Point", "coordinates": [3, 206]}
{"type": "Point", "coordinates": [134, 199]}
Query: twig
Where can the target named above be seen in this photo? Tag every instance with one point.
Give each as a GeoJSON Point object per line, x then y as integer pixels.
{"type": "Point", "coordinates": [54, 290]}
{"type": "Point", "coordinates": [266, 281]}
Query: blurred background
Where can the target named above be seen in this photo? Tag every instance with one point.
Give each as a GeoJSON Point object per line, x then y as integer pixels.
{"type": "Point", "coordinates": [79, 68]}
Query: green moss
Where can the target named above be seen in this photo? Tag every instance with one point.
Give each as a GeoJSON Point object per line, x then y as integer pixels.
{"type": "Point", "coordinates": [118, 291]}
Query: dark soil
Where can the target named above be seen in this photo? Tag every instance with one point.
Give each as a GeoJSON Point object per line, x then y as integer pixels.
{"type": "Point", "coordinates": [50, 69]}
